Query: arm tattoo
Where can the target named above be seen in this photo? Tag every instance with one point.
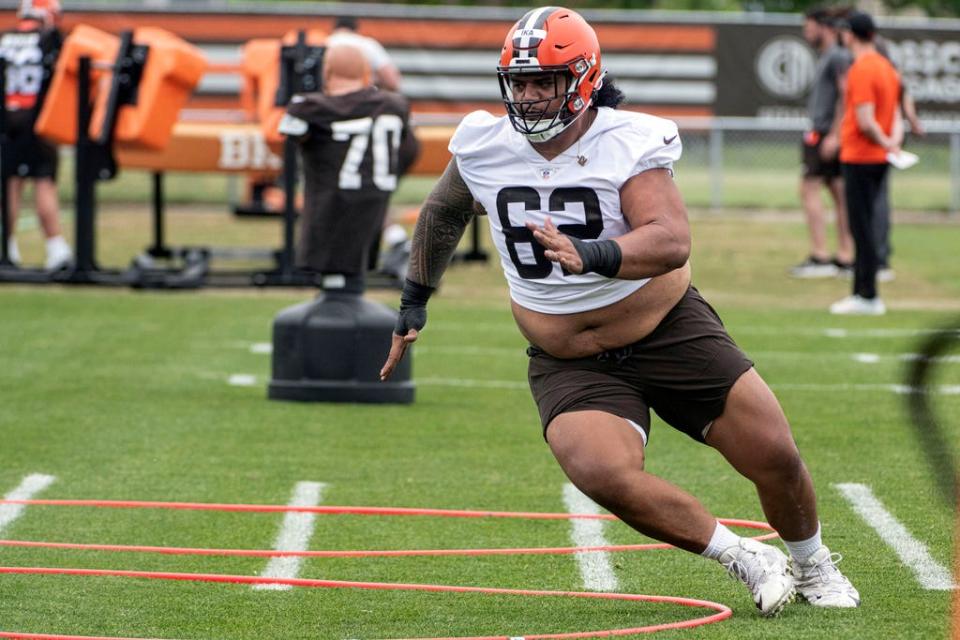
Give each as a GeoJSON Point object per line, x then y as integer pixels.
{"type": "Point", "coordinates": [443, 219]}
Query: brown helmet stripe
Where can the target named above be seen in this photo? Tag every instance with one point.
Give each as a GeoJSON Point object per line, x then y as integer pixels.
{"type": "Point", "coordinates": [534, 19]}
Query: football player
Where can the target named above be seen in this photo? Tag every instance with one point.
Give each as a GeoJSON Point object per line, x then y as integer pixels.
{"type": "Point", "coordinates": [594, 241]}
{"type": "Point", "coordinates": [355, 141]}
{"type": "Point", "coordinates": [31, 52]}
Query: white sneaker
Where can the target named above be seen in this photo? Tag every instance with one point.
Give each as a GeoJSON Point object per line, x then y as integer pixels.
{"type": "Point", "coordinates": [886, 274]}
{"type": "Point", "coordinates": [857, 305]}
{"type": "Point", "coordinates": [764, 570]}
{"type": "Point", "coordinates": [59, 254]}
{"type": "Point", "coordinates": [13, 251]}
{"type": "Point", "coordinates": [821, 583]}
{"type": "Point", "coordinates": [814, 268]}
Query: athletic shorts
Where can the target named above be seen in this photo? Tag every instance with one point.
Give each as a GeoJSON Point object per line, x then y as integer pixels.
{"type": "Point", "coordinates": [814, 166]}
{"type": "Point", "coordinates": [683, 370]}
{"type": "Point", "coordinates": [30, 155]}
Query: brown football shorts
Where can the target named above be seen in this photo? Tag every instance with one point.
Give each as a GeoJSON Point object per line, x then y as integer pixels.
{"type": "Point", "coordinates": [683, 370]}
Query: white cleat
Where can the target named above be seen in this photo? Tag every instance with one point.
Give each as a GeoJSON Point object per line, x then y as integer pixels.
{"type": "Point", "coordinates": [764, 570]}
{"type": "Point", "coordinates": [858, 306]}
{"type": "Point", "coordinates": [821, 584]}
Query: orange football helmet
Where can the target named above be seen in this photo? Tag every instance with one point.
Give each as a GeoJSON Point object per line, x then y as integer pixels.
{"type": "Point", "coordinates": [559, 42]}
{"type": "Point", "coordinates": [46, 11]}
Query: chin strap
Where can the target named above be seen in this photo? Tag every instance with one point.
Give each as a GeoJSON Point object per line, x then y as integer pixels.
{"type": "Point", "coordinates": [555, 130]}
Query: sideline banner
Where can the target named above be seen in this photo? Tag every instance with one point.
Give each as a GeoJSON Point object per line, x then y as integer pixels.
{"type": "Point", "coordinates": [767, 70]}
{"type": "Point", "coordinates": [667, 63]}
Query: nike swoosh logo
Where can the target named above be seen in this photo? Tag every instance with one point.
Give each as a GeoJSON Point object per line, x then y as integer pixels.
{"type": "Point", "coordinates": [667, 140]}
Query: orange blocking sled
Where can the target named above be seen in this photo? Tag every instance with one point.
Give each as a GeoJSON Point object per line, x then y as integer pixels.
{"type": "Point", "coordinates": [261, 78]}
{"type": "Point", "coordinates": [172, 71]}
{"type": "Point", "coordinates": [58, 117]}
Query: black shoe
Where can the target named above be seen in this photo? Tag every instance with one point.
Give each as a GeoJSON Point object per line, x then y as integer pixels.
{"type": "Point", "coordinates": [844, 269]}
{"type": "Point", "coordinates": [814, 268]}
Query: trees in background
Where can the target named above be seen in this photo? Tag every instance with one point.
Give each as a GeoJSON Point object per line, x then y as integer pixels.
{"type": "Point", "coordinates": [934, 8]}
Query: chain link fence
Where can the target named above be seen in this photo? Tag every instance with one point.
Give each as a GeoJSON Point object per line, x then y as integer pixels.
{"type": "Point", "coordinates": [755, 163]}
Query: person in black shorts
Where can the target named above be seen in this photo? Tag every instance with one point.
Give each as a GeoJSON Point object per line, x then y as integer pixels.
{"type": "Point", "coordinates": [31, 52]}
{"type": "Point", "coordinates": [594, 243]}
{"type": "Point", "coordinates": [820, 151]}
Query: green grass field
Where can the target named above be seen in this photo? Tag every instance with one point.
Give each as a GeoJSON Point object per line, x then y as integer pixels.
{"type": "Point", "coordinates": [760, 171]}
{"type": "Point", "coordinates": [124, 395]}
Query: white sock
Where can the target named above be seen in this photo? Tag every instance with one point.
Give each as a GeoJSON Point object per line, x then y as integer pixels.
{"type": "Point", "coordinates": [805, 548]}
{"type": "Point", "coordinates": [58, 253]}
{"type": "Point", "coordinates": [722, 540]}
{"type": "Point", "coordinates": [13, 251]}
{"type": "Point", "coordinates": [57, 245]}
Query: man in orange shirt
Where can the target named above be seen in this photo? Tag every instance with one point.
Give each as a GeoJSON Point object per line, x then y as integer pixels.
{"type": "Point", "coordinates": [872, 128]}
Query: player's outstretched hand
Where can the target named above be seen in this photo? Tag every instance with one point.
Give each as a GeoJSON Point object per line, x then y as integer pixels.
{"type": "Point", "coordinates": [398, 347]}
{"type": "Point", "coordinates": [559, 247]}
{"type": "Point", "coordinates": [410, 320]}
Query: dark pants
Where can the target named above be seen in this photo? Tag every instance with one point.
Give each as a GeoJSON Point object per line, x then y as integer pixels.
{"type": "Point", "coordinates": [865, 189]}
{"type": "Point", "coordinates": [881, 225]}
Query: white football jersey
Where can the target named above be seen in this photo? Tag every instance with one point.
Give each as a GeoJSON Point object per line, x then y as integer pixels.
{"type": "Point", "coordinates": [579, 190]}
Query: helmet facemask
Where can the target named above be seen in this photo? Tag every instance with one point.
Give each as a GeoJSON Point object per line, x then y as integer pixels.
{"type": "Point", "coordinates": [542, 119]}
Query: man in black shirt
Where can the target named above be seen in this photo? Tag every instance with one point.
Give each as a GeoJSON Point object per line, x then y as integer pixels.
{"type": "Point", "coordinates": [31, 52]}
{"type": "Point", "coordinates": [821, 150]}
{"type": "Point", "coordinates": [355, 141]}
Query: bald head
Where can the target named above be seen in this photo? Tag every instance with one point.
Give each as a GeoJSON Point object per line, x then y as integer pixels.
{"type": "Point", "coordinates": [345, 69]}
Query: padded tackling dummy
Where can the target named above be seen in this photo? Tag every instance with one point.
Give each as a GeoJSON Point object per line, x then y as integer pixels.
{"type": "Point", "coordinates": [331, 350]}
{"type": "Point", "coordinates": [171, 73]}
{"type": "Point", "coordinates": [354, 141]}
{"type": "Point", "coordinates": [353, 148]}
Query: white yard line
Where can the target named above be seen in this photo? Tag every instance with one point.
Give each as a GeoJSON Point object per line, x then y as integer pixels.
{"type": "Point", "coordinates": [30, 486]}
{"type": "Point", "coordinates": [595, 566]}
{"type": "Point", "coordinates": [876, 333]}
{"type": "Point", "coordinates": [261, 348]}
{"type": "Point", "coordinates": [242, 380]}
{"type": "Point", "coordinates": [833, 332]}
{"type": "Point", "coordinates": [899, 389]}
{"type": "Point", "coordinates": [295, 534]}
{"type": "Point", "coordinates": [518, 351]}
{"type": "Point", "coordinates": [873, 358]}
{"type": "Point", "coordinates": [473, 383]}
{"type": "Point", "coordinates": [913, 553]}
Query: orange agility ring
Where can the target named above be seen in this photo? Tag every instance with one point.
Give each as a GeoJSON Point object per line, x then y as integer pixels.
{"type": "Point", "coordinates": [719, 611]}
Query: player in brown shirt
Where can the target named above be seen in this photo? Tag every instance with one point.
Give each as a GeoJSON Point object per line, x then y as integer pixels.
{"type": "Point", "coordinates": [355, 141]}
